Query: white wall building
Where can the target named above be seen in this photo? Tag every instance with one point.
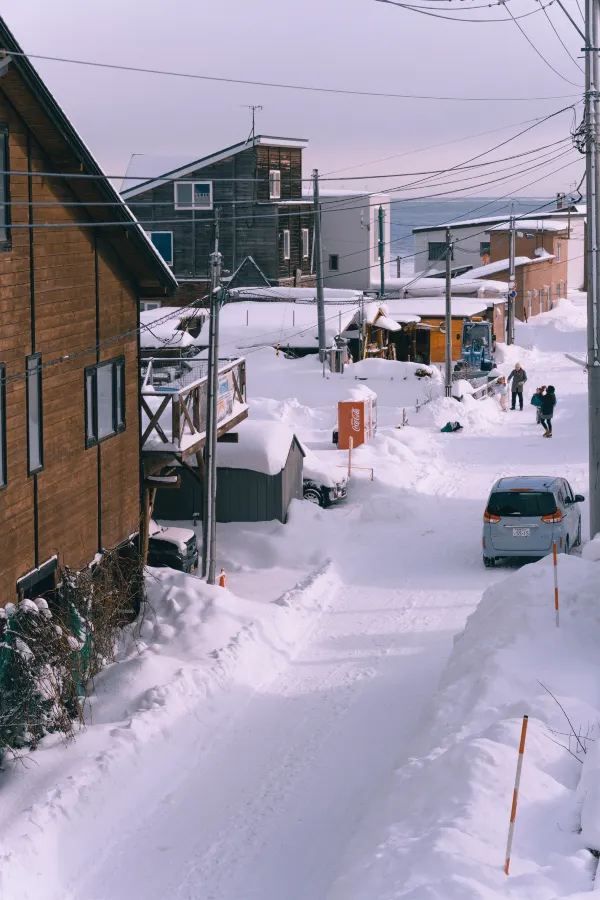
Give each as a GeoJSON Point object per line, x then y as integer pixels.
{"type": "Point", "coordinates": [349, 238]}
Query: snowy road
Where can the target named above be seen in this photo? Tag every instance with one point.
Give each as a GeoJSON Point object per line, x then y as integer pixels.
{"type": "Point", "coordinates": [266, 807]}
{"type": "Point", "coordinates": [269, 794]}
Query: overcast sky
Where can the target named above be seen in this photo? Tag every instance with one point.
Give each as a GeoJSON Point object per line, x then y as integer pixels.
{"type": "Point", "coordinates": [359, 44]}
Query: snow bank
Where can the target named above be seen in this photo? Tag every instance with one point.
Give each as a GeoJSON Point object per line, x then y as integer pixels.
{"type": "Point", "coordinates": [451, 801]}
{"type": "Point", "coordinates": [196, 643]}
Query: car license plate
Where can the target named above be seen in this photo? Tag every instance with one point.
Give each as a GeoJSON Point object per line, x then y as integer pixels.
{"type": "Point", "coordinates": [521, 532]}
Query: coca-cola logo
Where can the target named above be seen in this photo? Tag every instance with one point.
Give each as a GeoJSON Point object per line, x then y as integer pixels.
{"type": "Point", "coordinates": [355, 419]}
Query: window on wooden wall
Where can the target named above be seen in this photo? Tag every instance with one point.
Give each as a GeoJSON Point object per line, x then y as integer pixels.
{"type": "Point", "coordinates": [558, 251]}
{"type": "Point", "coordinates": [4, 195]}
{"type": "Point", "coordinates": [193, 195]}
{"type": "Point", "coordinates": [286, 243]}
{"type": "Point", "coordinates": [35, 456]}
{"type": "Point", "coordinates": [274, 184]}
{"type": "Point", "coordinates": [3, 473]}
{"type": "Point", "coordinates": [163, 241]}
{"type": "Point", "coordinates": [104, 400]}
{"type": "Point", "coordinates": [305, 243]}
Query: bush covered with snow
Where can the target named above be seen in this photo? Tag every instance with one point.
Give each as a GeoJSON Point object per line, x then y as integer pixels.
{"type": "Point", "coordinates": [38, 690]}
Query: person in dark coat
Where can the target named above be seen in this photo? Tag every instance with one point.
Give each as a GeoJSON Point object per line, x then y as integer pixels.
{"type": "Point", "coordinates": [518, 376]}
{"type": "Point", "coordinates": [547, 410]}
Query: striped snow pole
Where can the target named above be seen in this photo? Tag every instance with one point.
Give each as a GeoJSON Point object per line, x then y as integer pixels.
{"type": "Point", "coordinates": [555, 568]}
{"type": "Point", "coordinates": [350, 446]}
{"type": "Point", "coordinates": [513, 811]}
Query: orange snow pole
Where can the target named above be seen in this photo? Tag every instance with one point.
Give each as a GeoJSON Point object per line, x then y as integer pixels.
{"type": "Point", "coordinates": [513, 811]}
{"type": "Point", "coordinates": [555, 567]}
{"type": "Point", "coordinates": [350, 446]}
{"type": "Point", "coordinates": [222, 579]}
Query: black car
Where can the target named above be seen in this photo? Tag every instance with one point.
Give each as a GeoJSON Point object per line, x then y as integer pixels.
{"type": "Point", "coordinates": [173, 547]}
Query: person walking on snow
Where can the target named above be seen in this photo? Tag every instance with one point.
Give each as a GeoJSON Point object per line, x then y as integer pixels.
{"type": "Point", "coordinates": [518, 376]}
{"type": "Point", "coordinates": [536, 401]}
{"type": "Point", "coordinates": [547, 410]}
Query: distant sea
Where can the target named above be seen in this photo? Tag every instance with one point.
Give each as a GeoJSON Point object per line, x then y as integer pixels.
{"type": "Point", "coordinates": [409, 214]}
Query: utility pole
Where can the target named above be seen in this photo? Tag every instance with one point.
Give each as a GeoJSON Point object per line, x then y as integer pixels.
{"type": "Point", "coordinates": [319, 267]}
{"type": "Point", "coordinates": [209, 521]}
{"type": "Point", "coordinates": [381, 255]}
{"type": "Point", "coordinates": [510, 330]}
{"type": "Point", "coordinates": [448, 335]}
{"type": "Point", "coordinates": [592, 257]}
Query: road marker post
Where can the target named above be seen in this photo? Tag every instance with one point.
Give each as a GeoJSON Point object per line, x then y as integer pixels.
{"type": "Point", "coordinates": [555, 568]}
{"type": "Point", "coordinates": [513, 811]}
{"type": "Point", "coordinates": [350, 446]}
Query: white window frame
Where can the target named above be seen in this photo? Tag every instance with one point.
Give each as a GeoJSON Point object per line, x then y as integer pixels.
{"type": "Point", "coordinates": [146, 305]}
{"type": "Point", "coordinates": [179, 205]}
{"type": "Point", "coordinates": [274, 184]}
{"type": "Point", "coordinates": [169, 262]}
{"type": "Point", "coordinates": [286, 243]}
{"type": "Point", "coordinates": [305, 243]}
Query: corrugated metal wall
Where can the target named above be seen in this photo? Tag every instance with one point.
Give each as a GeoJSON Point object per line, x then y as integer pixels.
{"type": "Point", "coordinates": [242, 495]}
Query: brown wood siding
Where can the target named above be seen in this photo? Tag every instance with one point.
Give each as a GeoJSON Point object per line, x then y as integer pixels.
{"type": "Point", "coordinates": [63, 291]}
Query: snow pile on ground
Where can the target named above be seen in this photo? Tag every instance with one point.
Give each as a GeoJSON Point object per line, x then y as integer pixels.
{"type": "Point", "coordinates": [450, 804]}
{"type": "Point", "coordinates": [194, 643]}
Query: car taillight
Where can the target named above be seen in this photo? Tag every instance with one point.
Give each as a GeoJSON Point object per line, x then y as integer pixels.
{"type": "Point", "coordinates": [490, 518]}
{"type": "Point", "coordinates": [554, 518]}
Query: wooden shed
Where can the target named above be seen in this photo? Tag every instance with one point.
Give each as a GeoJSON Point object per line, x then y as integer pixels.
{"type": "Point", "coordinates": [258, 475]}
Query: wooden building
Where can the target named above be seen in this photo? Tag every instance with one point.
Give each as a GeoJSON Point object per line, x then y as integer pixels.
{"type": "Point", "coordinates": [69, 295]}
{"type": "Point", "coordinates": [541, 267]}
{"type": "Point", "coordinates": [256, 187]}
{"type": "Point", "coordinates": [425, 341]}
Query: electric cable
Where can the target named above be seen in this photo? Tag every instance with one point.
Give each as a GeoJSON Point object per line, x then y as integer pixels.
{"type": "Point", "coordinates": [295, 87]}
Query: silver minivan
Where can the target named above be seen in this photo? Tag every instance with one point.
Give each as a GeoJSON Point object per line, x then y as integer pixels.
{"type": "Point", "coordinates": [526, 514]}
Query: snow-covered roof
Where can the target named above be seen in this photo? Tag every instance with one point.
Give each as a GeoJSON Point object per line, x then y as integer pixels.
{"type": "Point", "coordinates": [492, 268]}
{"type": "Point", "coordinates": [293, 293]}
{"type": "Point", "coordinates": [533, 225]}
{"type": "Point", "coordinates": [161, 327]}
{"type": "Point", "coordinates": [435, 306]}
{"type": "Point", "coordinates": [501, 265]}
{"type": "Point", "coordinates": [431, 287]}
{"type": "Point", "coordinates": [262, 446]}
{"type": "Point", "coordinates": [503, 221]}
{"type": "Point", "coordinates": [248, 324]}
{"type": "Point", "coordinates": [146, 170]}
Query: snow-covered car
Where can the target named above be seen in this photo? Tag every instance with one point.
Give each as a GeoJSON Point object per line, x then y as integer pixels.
{"type": "Point", "coordinates": [173, 547]}
{"type": "Point", "coordinates": [323, 483]}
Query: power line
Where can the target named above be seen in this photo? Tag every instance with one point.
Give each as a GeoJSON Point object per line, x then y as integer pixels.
{"type": "Point", "coordinates": [336, 206]}
{"type": "Point", "coordinates": [564, 46]}
{"type": "Point", "coordinates": [539, 52]}
{"type": "Point", "coordinates": [282, 85]}
{"type": "Point", "coordinates": [426, 11]}
{"type": "Point", "coordinates": [65, 358]}
{"type": "Point", "coordinates": [137, 203]}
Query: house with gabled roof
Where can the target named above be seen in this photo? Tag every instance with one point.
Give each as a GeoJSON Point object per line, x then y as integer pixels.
{"type": "Point", "coordinates": [255, 186]}
{"type": "Point", "coordinates": [74, 266]}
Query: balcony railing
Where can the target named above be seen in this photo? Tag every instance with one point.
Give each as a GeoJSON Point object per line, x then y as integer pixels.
{"type": "Point", "coordinates": [174, 398]}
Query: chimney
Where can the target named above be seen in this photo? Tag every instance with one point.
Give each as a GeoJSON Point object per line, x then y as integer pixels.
{"type": "Point", "coordinates": [560, 199]}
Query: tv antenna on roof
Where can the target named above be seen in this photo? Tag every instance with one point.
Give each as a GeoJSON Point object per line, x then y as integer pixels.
{"type": "Point", "coordinates": [252, 109]}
